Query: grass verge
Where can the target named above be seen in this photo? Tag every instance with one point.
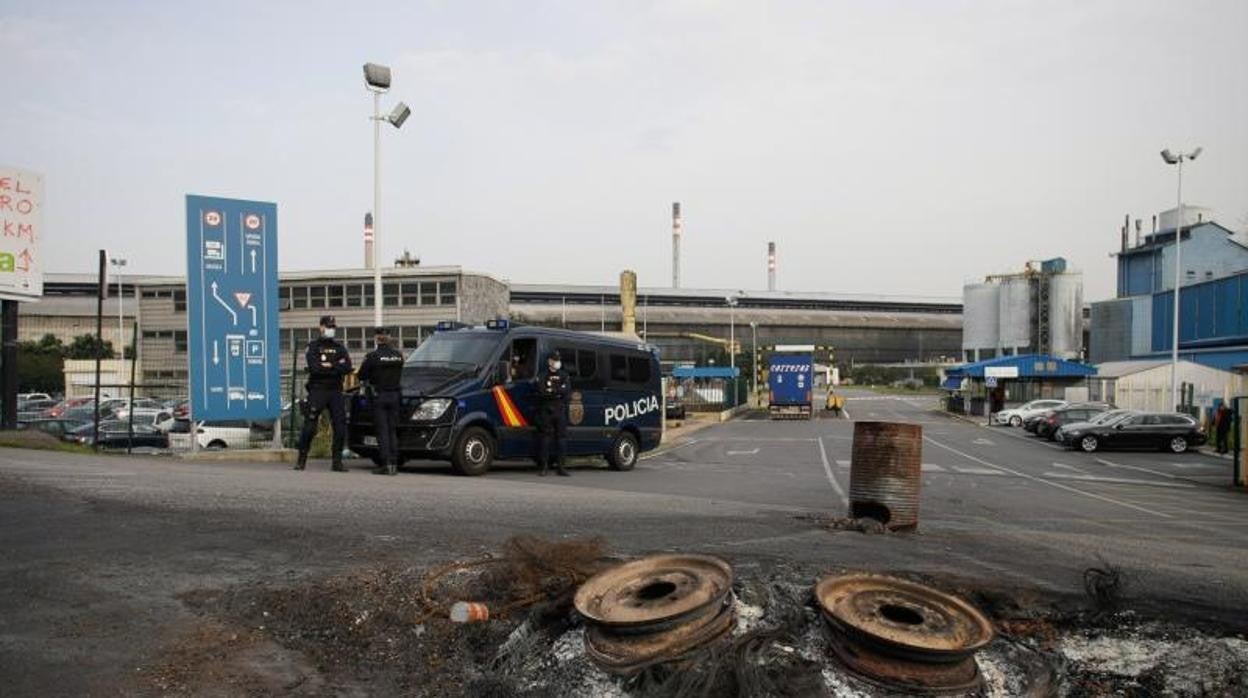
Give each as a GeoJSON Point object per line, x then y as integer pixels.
{"type": "Point", "coordinates": [39, 441]}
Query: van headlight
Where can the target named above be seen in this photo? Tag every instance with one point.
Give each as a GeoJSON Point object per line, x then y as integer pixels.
{"type": "Point", "coordinates": [430, 410]}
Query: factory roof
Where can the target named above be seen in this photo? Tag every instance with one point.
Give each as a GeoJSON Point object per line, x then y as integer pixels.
{"type": "Point", "coordinates": [711, 297]}
{"type": "Point", "coordinates": [1028, 366]}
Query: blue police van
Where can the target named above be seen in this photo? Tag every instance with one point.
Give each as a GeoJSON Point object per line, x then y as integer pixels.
{"type": "Point", "coordinates": [469, 396]}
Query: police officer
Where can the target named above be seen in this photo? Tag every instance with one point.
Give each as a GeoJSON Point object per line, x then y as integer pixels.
{"type": "Point", "coordinates": [553, 387]}
{"type": "Point", "coordinates": [382, 372]}
{"type": "Point", "coordinates": [328, 361]}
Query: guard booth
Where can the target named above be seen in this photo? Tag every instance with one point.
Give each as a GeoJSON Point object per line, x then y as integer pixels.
{"type": "Point", "coordinates": [1013, 380]}
{"type": "Point", "coordinates": [708, 388]}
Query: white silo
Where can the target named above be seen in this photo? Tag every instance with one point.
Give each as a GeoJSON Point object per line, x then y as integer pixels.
{"type": "Point", "coordinates": [1015, 324]}
{"type": "Point", "coordinates": [980, 319]}
{"type": "Point", "coordinates": [1066, 314]}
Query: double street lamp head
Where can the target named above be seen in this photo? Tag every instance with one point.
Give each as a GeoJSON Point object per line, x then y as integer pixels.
{"type": "Point", "coordinates": [377, 77]}
{"type": "Point", "coordinates": [399, 114]}
{"type": "Point", "coordinates": [1173, 159]}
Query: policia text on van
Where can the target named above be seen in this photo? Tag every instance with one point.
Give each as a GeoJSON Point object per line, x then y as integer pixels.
{"type": "Point", "coordinates": [469, 396]}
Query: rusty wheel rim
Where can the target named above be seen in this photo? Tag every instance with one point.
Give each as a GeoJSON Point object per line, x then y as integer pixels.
{"type": "Point", "coordinates": [654, 591]}
{"type": "Point", "coordinates": [902, 618]}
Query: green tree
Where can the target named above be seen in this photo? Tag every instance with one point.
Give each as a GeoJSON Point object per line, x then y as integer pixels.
{"type": "Point", "coordinates": [40, 365]}
{"type": "Point", "coordinates": [85, 346]}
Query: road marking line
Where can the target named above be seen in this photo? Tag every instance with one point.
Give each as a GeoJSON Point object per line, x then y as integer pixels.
{"type": "Point", "coordinates": [932, 468]}
{"type": "Point", "coordinates": [666, 451]}
{"type": "Point", "coordinates": [975, 471]}
{"type": "Point", "coordinates": [1150, 471]}
{"type": "Point", "coordinates": [1118, 480]}
{"type": "Point", "coordinates": [827, 469]}
{"type": "Point", "coordinates": [843, 463]}
{"type": "Point", "coordinates": [742, 453]}
{"type": "Point", "coordinates": [983, 442]}
{"type": "Point", "coordinates": [1050, 483]}
{"type": "Point", "coordinates": [1069, 467]}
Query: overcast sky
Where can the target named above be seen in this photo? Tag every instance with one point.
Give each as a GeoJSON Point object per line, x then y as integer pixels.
{"type": "Point", "coordinates": [887, 147]}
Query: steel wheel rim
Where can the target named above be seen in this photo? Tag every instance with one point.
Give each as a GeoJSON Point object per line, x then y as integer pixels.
{"type": "Point", "coordinates": [475, 451]}
{"type": "Point", "coordinates": [1088, 443]}
{"type": "Point", "coordinates": [626, 452]}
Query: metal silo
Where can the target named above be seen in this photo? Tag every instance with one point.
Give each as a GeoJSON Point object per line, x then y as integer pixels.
{"type": "Point", "coordinates": [1066, 314]}
{"type": "Point", "coordinates": [1014, 303]}
{"type": "Point", "coordinates": [980, 316]}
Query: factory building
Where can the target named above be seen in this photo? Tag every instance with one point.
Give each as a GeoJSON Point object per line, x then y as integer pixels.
{"type": "Point", "coordinates": [1036, 311]}
{"type": "Point", "coordinates": [1213, 305]}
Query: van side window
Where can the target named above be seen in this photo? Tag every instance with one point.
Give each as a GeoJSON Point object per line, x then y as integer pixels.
{"type": "Point", "coordinates": [619, 368]}
{"type": "Point", "coordinates": [523, 359]}
{"type": "Point", "coordinates": [638, 370]}
{"type": "Point", "coordinates": [586, 375]}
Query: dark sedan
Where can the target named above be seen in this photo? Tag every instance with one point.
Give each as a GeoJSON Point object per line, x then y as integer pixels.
{"type": "Point", "coordinates": [1150, 430]}
{"type": "Point", "coordinates": [1055, 419]}
{"type": "Point", "coordinates": [116, 434]}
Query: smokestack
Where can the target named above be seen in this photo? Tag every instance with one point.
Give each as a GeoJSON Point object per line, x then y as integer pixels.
{"type": "Point", "coordinates": [1126, 226]}
{"type": "Point", "coordinates": [369, 260]}
{"type": "Point", "coordinates": [628, 302]}
{"type": "Point", "coordinates": [1154, 224]}
{"type": "Point", "coordinates": [675, 244]}
{"type": "Point", "coordinates": [1138, 224]}
{"type": "Point", "coordinates": [771, 266]}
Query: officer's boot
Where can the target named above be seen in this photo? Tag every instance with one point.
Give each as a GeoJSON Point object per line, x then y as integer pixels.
{"type": "Point", "coordinates": [302, 461]}
{"type": "Point", "coordinates": [560, 469]}
{"type": "Point", "coordinates": [338, 467]}
{"type": "Point", "coordinates": [392, 468]}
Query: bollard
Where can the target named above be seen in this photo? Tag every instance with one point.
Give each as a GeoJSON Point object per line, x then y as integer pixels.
{"type": "Point", "coordinates": [885, 473]}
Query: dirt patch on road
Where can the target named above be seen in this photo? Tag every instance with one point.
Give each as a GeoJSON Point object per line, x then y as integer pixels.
{"type": "Point", "coordinates": [384, 630]}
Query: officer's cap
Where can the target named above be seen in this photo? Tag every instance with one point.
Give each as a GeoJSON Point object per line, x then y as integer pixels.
{"type": "Point", "coordinates": [380, 330]}
{"type": "Point", "coordinates": [328, 321]}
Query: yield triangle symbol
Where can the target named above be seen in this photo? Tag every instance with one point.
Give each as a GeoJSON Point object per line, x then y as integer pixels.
{"type": "Point", "coordinates": [242, 298]}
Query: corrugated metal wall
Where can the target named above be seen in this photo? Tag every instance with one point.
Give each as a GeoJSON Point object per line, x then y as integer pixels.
{"type": "Point", "coordinates": [1211, 313]}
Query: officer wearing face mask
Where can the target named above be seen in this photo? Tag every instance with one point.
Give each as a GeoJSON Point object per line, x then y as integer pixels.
{"type": "Point", "coordinates": [382, 372]}
{"type": "Point", "coordinates": [553, 387]}
{"type": "Point", "coordinates": [327, 362]}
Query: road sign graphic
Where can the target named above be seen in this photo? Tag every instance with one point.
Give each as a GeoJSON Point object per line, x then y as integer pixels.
{"type": "Point", "coordinates": [232, 311]}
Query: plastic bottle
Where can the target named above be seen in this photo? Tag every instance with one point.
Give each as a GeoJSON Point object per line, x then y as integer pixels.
{"type": "Point", "coordinates": [469, 612]}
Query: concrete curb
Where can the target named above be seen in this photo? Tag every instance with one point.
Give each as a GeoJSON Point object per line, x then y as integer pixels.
{"type": "Point", "coordinates": [240, 455]}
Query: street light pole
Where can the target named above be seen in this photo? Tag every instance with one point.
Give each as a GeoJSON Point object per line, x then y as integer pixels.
{"type": "Point", "coordinates": [377, 208]}
{"type": "Point", "coordinates": [754, 358]}
{"type": "Point", "coordinates": [1178, 159]}
{"type": "Point", "coordinates": [119, 263]}
{"type": "Point", "coordinates": [732, 331]}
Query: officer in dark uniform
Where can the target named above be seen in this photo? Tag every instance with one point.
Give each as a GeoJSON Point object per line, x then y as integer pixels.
{"type": "Point", "coordinates": [553, 387]}
{"type": "Point", "coordinates": [328, 361]}
{"type": "Point", "coordinates": [382, 373]}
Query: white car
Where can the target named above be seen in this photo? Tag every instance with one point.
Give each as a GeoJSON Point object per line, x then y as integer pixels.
{"type": "Point", "coordinates": [210, 435]}
{"type": "Point", "coordinates": [1016, 415]}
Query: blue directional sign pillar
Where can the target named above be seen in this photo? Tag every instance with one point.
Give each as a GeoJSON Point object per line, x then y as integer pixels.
{"type": "Point", "coordinates": [231, 303]}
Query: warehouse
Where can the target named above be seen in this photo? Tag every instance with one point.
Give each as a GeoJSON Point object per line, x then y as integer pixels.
{"type": "Point", "coordinates": [1146, 384]}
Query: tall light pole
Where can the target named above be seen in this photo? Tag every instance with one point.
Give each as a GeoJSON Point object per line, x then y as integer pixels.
{"type": "Point", "coordinates": [754, 359]}
{"type": "Point", "coordinates": [377, 78]}
{"type": "Point", "coordinates": [1173, 159]}
{"type": "Point", "coordinates": [732, 330]}
{"type": "Point", "coordinates": [119, 263]}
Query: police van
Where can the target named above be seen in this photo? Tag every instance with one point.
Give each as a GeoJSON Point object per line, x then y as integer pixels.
{"type": "Point", "coordinates": [469, 396]}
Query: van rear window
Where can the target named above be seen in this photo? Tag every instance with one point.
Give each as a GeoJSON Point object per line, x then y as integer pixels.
{"type": "Point", "coordinates": [638, 370]}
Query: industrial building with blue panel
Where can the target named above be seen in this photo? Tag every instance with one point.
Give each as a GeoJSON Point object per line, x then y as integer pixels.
{"type": "Point", "coordinates": [1213, 301]}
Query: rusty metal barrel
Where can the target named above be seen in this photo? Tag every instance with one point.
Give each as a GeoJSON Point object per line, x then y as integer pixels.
{"type": "Point", "coordinates": [885, 473]}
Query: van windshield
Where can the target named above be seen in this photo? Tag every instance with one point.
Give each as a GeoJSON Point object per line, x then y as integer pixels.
{"type": "Point", "coordinates": [456, 349]}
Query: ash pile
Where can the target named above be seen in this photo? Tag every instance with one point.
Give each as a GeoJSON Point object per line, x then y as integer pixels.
{"type": "Point", "coordinates": [569, 618]}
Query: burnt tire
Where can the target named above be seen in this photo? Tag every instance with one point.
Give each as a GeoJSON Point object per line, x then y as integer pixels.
{"type": "Point", "coordinates": [623, 453]}
{"type": "Point", "coordinates": [1177, 445]}
{"type": "Point", "coordinates": [1089, 444]}
{"type": "Point", "coordinates": [473, 453]}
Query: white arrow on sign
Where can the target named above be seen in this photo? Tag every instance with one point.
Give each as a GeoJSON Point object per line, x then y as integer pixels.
{"type": "Point", "coordinates": [216, 357]}
{"type": "Point", "coordinates": [253, 261]}
{"type": "Point", "coordinates": [225, 305]}
{"type": "Point", "coordinates": [253, 315]}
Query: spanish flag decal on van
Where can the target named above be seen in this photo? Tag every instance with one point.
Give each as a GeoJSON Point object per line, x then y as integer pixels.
{"type": "Point", "coordinates": [507, 408]}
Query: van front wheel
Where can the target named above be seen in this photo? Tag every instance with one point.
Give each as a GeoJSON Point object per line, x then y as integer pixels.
{"type": "Point", "coordinates": [473, 453]}
{"type": "Point", "coordinates": [623, 453]}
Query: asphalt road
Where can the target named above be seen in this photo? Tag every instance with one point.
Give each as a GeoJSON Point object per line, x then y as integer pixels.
{"type": "Point", "coordinates": [98, 550]}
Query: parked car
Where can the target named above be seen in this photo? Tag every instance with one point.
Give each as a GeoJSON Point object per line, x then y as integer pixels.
{"type": "Point", "coordinates": [64, 406]}
{"type": "Point", "coordinates": [143, 405]}
{"type": "Point", "coordinates": [1151, 430]}
{"type": "Point", "coordinates": [56, 426]}
{"type": "Point", "coordinates": [1063, 432]}
{"type": "Point", "coordinates": [234, 433]}
{"type": "Point", "coordinates": [118, 434]}
{"type": "Point", "coordinates": [1081, 412]}
{"type": "Point", "coordinates": [1016, 415]}
{"type": "Point", "coordinates": [24, 397]}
